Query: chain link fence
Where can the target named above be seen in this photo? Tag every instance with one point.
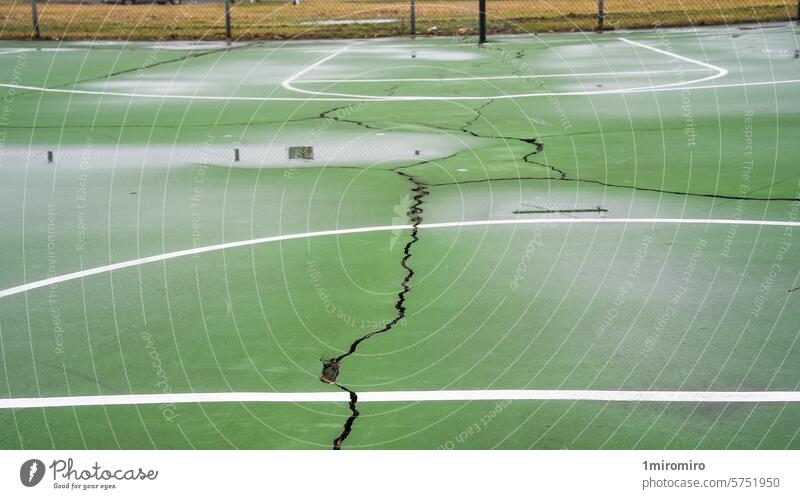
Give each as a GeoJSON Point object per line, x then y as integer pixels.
{"type": "Point", "coordinates": [285, 19]}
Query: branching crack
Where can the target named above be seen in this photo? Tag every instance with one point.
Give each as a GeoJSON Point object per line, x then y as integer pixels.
{"type": "Point", "coordinates": [331, 367]}
{"type": "Point", "coordinates": [562, 174]}
{"type": "Point", "coordinates": [332, 114]}
{"type": "Point", "coordinates": [348, 424]}
{"type": "Point", "coordinates": [533, 141]}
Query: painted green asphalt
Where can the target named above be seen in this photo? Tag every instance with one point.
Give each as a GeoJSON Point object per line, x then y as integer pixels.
{"type": "Point", "coordinates": [441, 425]}
{"type": "Point", "coordinates": [491, 307]}
{"type": "Point", "coordinates": [579, 425]}
{"type": "Point", "coordinates": [210, 426]}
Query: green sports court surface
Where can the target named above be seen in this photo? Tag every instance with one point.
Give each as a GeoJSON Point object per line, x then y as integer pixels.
{"type": "Point", "coordinates": [555, 241]}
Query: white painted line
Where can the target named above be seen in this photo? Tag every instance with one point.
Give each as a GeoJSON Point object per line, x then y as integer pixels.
{"type": "Point", "coordinates": [192, 251]}
{"type": "Point", "coordinates": [383, 228]}
{"type": "Point", "coordinates": [599, 395]}
{"type": "Point", "coordinates": [287, 83]}
{"type": "Point", "coordinates": [689, 85]}
{"type": "Point", "coordinates": [403, 396]}
{"type": "Point", "coordinates": [233, 98]}
{"type": "Point", "coordinates": [330, 96]}
{"type": "Point", "coordinates": [676, 56]}
{"type": "Point", "coordinates": [718, 73]}
{"type": "Point", "coordinates": [508, 77]}
{"type": "Point", "coordinates": [172, 398]}
{"type": "Point", "coordinates": [37, 49]}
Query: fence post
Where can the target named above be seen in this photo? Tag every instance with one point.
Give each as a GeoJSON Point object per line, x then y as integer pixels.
{"type": "Point", "coordinates": [35, 19]}
{"type": "Point", "coordinates": [481, 22]}
{"type": "Point", "coordinates": [412, 17]}
{"type": "Point", "coordinates": [601, 14]}
{"type": "Point", "coordinates": [227, 18]}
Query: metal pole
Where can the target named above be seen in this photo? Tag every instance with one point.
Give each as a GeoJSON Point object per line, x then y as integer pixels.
{"type": "Point", "coordinates": [601, 14]}
{"type": "Point", "coordinates": [412, 17]}
{"type": "Point", "coordinates": [35, 18]}
{"type": "Point", "coordinates": [227, 18]}
{"type": "Point", "coordinates": [482, 21]}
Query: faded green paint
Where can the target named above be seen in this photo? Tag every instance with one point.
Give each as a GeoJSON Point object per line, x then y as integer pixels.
{"type": "Point", "coordinates": [574, 307]}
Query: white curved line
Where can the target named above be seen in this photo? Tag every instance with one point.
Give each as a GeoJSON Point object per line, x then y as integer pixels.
{"type": "Point", "coordinates": [287, 83]}
{"type": "Point", "coordinates": [403, 396]}
{"type": "Point", "coordinates": [506, 77]}
{"type": "Point", "coordinates": [233, 98]}
{"type": "Point", "coordinates": [383, 228]}
{"type": "Point", "coordinates": [103, 93]}
{"type": "Point", "coordinates": [719, 72]}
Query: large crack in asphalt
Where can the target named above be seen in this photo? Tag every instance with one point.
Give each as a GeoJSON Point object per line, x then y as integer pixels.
{"type": "Point", "coordinates": [333, 115]}
{"type": "Point", "coordinates": [561, 174]}
{"type": "Point", "coordinates": [331, 367]}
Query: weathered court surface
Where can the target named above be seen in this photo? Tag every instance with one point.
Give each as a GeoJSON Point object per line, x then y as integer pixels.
{"type": "Point", "coordinates": [656, 174]}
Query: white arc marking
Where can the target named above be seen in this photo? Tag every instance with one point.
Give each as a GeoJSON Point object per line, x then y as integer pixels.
{"type": "Point", "coordinates": [383, 228]}
{"type": "Point", "coordinates": [329, 97]}
{"type": "Point", "coordinates": [507, 77]}
{"type": "Point", "coordinates": [718, 73]}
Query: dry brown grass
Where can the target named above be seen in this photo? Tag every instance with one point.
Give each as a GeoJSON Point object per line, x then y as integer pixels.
{"type": "Point", "coordinates": [282, 20]}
